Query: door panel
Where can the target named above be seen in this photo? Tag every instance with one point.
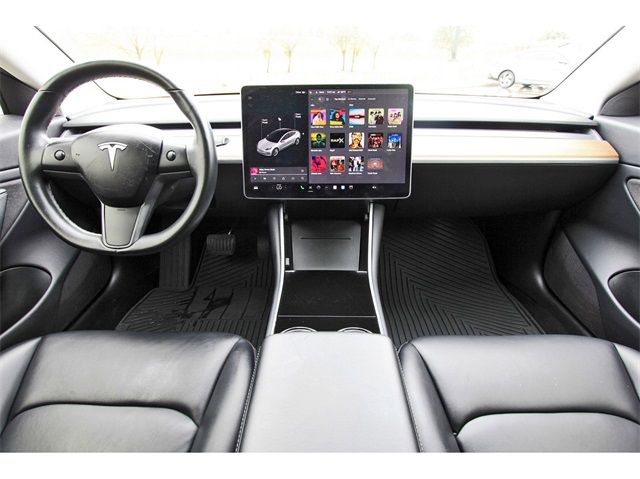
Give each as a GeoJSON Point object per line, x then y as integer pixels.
{"type": "Point", "coordinates": [44, 282]}
{"type": "Point", "coordinates": [604, 233]}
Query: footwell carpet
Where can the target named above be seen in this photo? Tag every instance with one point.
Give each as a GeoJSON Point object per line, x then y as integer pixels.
{"type": "Point", "coordinates": [230, 294]}
{"type": "Point", "coordinates": [437, 278]}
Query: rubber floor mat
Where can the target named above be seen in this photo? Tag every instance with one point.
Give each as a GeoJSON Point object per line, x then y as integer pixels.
{"type": "Point", "coordinates": [230, 294]}
{"type": "Point", "coordinates": [437, 278]}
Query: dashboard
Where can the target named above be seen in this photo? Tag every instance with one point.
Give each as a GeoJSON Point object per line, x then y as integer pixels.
{"type": "Point", "coordinates": [470, 156]}
{"type": "Point", "coordinates": [322, 141]}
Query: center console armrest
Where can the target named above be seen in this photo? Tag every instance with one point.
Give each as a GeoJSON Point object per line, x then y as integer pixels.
{"type": "Point", "coordinates": [323, 392]}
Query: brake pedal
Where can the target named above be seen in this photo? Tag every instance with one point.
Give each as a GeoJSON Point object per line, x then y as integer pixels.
{"type": "Point", "coordinates": [221, 245]}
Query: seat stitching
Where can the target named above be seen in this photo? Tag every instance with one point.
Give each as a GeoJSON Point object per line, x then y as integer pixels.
{"type": "Point", "coordinates": [123, 403]}
{"type": "Point", "coordinates": [132, 403]}
{"type": "Point", "coordinates": [247, 401]}
{"type": "Point", "coordinates": [213, 389]}
{"type": "Point", "coordinates": [11, 416]}
{"type": "Point", "coordinates": [547, 412]}
{"type": "Point", "coordinates": [553, 411]}
{"type": "Point", "coordinates": [624, 366]}
{"type": "Point", "coordinates": [408, 398]}
{"type": "Point", "coordinates": [442, 402]}
{"type": "Point", "coordinates": [146, 406]}
{"type": "Point", "coordinates": [215, 383]}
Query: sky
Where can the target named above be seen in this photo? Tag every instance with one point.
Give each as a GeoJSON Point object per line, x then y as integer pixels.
{"type": "Point", "coordinates": [303, 50]}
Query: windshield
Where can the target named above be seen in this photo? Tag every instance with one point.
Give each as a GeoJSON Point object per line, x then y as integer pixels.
{"type": "Point", "coordinates": [513, 60]}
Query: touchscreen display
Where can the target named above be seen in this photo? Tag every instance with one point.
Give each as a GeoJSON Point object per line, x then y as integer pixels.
{"type": "Point", "coordinates": [327, 141]}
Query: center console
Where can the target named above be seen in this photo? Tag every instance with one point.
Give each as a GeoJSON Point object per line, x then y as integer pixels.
{"type": "Point", "coordinates": [324, 142]}
{"type": "Point", "coordinates": [327, 376]}
{"type": "Point", "coordinates": [328, 392]}
{"type": "Point", "coordinates": [326, 271]}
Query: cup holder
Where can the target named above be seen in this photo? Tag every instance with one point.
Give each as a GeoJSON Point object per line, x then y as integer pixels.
{"type": "Point", "coordinates": [306, 329]}
{"type": "Point", "coordinates": [354, 329]}
{"type": "Point", "coordinates": [299, 329]}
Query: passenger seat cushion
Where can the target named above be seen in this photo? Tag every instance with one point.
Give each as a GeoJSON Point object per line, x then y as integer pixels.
{"type": "Point", "coordinates": [533, 393]}
{"type": "Point", "coordinates": [112, 391]}
{"type": "Point", "coordinates": [90, 428]}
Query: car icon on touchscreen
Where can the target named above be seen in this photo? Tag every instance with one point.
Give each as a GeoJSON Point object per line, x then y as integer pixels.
{"type": "Point", "coordinates": [278, 140]}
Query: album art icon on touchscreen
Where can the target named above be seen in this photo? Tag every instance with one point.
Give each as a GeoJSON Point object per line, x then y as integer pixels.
{"type": "Point", "coordinates": [356, 140]}
{"type": "Point", "coordinates": [396, 116]}
{"type": "Point", "coordinates": [375, 164]}
{"type": "Point", "coordinates": [318, 164]}
{"type": "Point", "coordinates": [318, 140]}
{"type": "Point", "coordinates": [337, 164]}
{"type": "Point", "coordinates": [337, 140]}
{"type": "Point", "coordinates": [394, 141]}
{"type": "Point", "coordinates": [376, 140]}
{"type": "Point", "coordinates": [337, 117]}
{"type": "Point", "coordinates": [318, 117]}
{"type": "Point", "coordinates": [376, 116]}
{"type": "Point", "coordinates": [356, 164]}
{"type": "Point", "coordinates": [356, 116]}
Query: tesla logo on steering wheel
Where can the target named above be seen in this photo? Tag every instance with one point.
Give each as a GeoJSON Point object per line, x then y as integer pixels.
{"type": "Point", "coordinates": [112, 147]}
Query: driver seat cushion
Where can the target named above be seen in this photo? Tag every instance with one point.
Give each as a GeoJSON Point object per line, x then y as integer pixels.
{"type": "Point", "coordinates": [124, 391]}
{"type": "Point", "coordinates": [523, 393]}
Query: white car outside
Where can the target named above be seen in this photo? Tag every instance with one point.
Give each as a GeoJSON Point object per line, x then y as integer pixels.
{"type": "Point", "coordinates": [541, 67]}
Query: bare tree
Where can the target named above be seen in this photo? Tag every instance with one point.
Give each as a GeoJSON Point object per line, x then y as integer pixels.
{"type": "Point", "coordinates": [342, 41]}
{"type": "Point", "coordinates": [266, 53]}
{"type": "Point", "coordinates": [133, 47]}
{"type": "Point", "coordinates": [348, 43]}
{"type": "Point", "coordinates": [137, 46]}
{"type": "Point", "coordinates": [158, 52]}
{"type": "Point", "coordinates": [356, 48]}
{"type": "Point", "coordinates": [375, 49]}
{"type": "Point", "coordinates": [289, 46]}
{"type": "Point", "coordinates": [452, 38]}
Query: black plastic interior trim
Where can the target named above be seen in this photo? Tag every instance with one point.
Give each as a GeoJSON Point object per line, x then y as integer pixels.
{"type": "Point", "coordinates": [625, 286]}
{"type": "Point", "coordinates": [15, 95]}
{"type": "Point", "coordinates": [578, 127]}
{"type": "Point", "coordinates": [624, 103]}
{"type": "Point", "coordinates": [229, 125]}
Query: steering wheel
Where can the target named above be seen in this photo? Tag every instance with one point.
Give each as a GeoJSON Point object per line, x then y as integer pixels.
{"type": "Point", "coordinates": [126, 166]}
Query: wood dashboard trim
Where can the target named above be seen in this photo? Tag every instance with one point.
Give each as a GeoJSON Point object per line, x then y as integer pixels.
{"type": "Point", "coordinates": [475, 148]}
{"type": "Point", "coordinates": [521, 150]}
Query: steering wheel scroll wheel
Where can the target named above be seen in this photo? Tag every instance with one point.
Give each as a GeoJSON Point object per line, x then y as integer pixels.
{"type": "Point", "coordinates": [126, 166]}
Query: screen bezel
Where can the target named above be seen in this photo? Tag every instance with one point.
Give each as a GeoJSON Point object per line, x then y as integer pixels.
{"type": "Point", "coordinates": [368, 195]}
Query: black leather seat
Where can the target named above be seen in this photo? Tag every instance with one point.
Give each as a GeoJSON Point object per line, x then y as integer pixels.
{"type": "Point", "coordinates": [117, 391]}
{"type": "Point", "coordinates": [529, 393]}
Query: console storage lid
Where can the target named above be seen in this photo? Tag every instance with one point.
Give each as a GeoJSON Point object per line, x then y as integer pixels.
{"type": "Point", "coordinates": [324, 392]}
